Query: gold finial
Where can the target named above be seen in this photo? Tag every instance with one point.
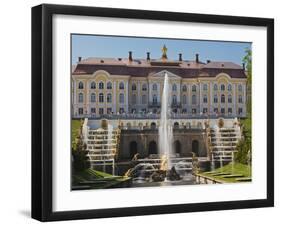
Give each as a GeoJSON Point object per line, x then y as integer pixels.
{"type": "Point", "coordinates": [164, 52]}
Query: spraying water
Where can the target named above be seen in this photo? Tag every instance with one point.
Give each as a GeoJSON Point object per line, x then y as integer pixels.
{"type": "Point", "coordinates": [165, 128]}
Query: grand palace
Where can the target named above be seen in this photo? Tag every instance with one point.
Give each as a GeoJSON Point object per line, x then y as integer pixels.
{"type": "Point", "coordinates": [128, 86]}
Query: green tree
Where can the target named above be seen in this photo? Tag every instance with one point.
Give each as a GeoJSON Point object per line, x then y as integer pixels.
{"type": "Point", "coordinates": [80, 160]}
{"type": "Point", "coordinates": [244, 147]}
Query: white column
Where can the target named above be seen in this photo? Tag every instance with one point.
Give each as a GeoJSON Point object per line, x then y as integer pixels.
{"type": "Point", "coordinates": [234, 100]}
{"type": "Point", "coordinates": [127, 96]}
{"type": "Point", "coordinates": [114, 98]}
{"type": "Point", "coordinates": [200, 98]}
{"type": "Point", "coordinates": [211, 98]}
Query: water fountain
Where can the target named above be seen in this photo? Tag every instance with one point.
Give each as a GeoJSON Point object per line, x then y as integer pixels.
{"type": "Point", "coordinates": [165, 128]}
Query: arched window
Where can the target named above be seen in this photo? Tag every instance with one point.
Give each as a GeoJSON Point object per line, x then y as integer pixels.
{"type": "Point", "coordinates": [193, 101]}
{"type": "Point", "coordinates": [184, 88]}
{"type": "Point", "coordinates": [240, 88]}
{"type": "Point", "coordinates": [109, 85]}
{"type": "Point", "coordinates": [222, 98]}
{"type": "Point", "coordinates": [152, 147]}
{"type": "Point", "coordinates": [174, 87]}
{"type": "Point", "coordinates": [193, 88]}
{"type": "Point", "coordinates": [195, 147]}
{"type": "Point", "coordinates": [143, 99]}
{"type": "Point", "coordinates": [229, 88]}
{"type": "Point", "coordinates": [229, 99]}
{"type": "Point", "coordinates": [134, 87]}
{"type": "Point", "coordinates": [174, 99]}
{"type": "Point", "coordinates": [93, 85]}
{"type": "Point", "coordinates": [154, 87]}
{"type": "Point", "coordinates": [184, 99]}
{"type": "Point", "coordinates": [121, 85]}
{"type": "Point", "coordinates": [215, 87]}
{"type": "Point", "coordinates": [101, 98]}
{"type": "Point", "coordinates": [144, 87]}
{"type": "Point", "coordinates": [101, 85]}
{"type": "Point", "coordinates": [134, 99]}
{"type": "Point", "coordinates": [240, 99]}
{"type": "Point", "coordinates": [121, 98]}
{"type": "Point", "coordinates": [80, 98]}
{"type": "Point", "coordinates": [222, 87]}
{"type": "Point", "coordinates": [205, 99]}
{"type": "Point", "coordinates": [154, 99]}
{"type": "Point", "coordinates": [215, 99]}
{"type": "Point", "coordinates": [81, 85]}
{"type": "Point", "coordinates": [133, 148]}
{"type": "Point", "coordinates": [109, 98]}
{"type": "Point", "coordinates": [93, 97]}
{"type": "Point", "coordinates": [177, 147]}
{"type": "Point", "coordinates": [205, 87]}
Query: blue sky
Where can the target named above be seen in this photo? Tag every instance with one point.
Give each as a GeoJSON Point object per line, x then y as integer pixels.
{"type": "Point", "coordinates": [116, 46]}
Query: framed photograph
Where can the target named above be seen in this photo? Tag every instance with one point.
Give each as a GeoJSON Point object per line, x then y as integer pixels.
{"type": "Point", "coordinates": [146, 112]}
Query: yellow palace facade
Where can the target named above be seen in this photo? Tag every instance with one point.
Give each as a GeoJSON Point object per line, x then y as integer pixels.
{"type": "Point", "coordinates": [128, 86]}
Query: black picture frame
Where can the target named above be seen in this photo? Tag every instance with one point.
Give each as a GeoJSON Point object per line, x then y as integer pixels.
{"type": "Point", "coordinates": [42, 111]}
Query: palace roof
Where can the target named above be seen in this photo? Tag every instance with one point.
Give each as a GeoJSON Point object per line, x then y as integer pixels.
{"type": "Point", "coordinates": [144, 67]}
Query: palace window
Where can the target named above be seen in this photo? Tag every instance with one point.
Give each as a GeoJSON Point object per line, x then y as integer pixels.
{"type": "Point", "coordinates": [222, 110]}
{"type": "Point", "coordinates": [216, 110]}
{"type": "Point", "coordinates": [109, 85]}
{"type": "Point", "coordinates": [240, 88]}
{"type": "Point", "coordinates": [101, 98]}
{"type": "Point", "coordinates": [101, 85]}
{"type": "Point", "coordinates": [80, 111]}
{"type": "Point", "coordinates": [193, 88]}
{"type": "Point", "coordinates": [205, 87]}
{"type": "Point", "coordinates": [205, 110]}
{"type": "Point", "coordinates": [205, 99]}
{"type": "Point", "coordinates": [174, 99]}
{"type": "Point", "coordinates": [121, 85]}
{"type": "Point", "coordinates": [109, 110]}
{"type": "Point", "coordinates": [240, 111]}
{"type": "Point", "coordinates": [121, 98]}
{"type": "Point", "coordinates": [240, 99]}
{"type": "Point", "coordinates": [222, 87]}
{"type": "Point", "coordinates": [134, 99]}
{"type": "Point", "coordinates": [215, 99]}
{"type": "Point", "coordinates": [93, 97]}
{"type": "Point", "coordinates": [134, 87]}
{"type": "Point", "coordinates": [229, 87]}
{"type": "Point", "coordinates": [193, 110]}
{"type": "Point", "coordinates": [93, 111]}
{"type": "Point", "coordinates": [222, 98]}
{"type": "Point", "coordinates": [184, 99]}
{"type": "Point", "coordinates": [174, 88]}
{"type": "Point", "coordinates": [193, 101]}
{"type": "Point", "coordinates": [154, 99]}
{"type": "Point", "coordinates": [144, 87]}
{"type": "Point", "coordinates": [101, 111]}
{"type": "Point", "coordinates": [80, 98]}
{"type": "Point", "coordinates": [81, 85]}
{"type": "Point", "coordinates": [229, 99]}
{"type": "Point", "coordinates": [229, 110]}
{"type": "Point", "coordinates": [109, 98]}
{"type": "Point", "coordinates": [93, 85]}
{"type": "Point", "coordinates": [143, 99]}
{"type": "Point", "coordinates": [154, 87]}
{"type": "Point", "coordinates": [184, 88]}
{"type": "Point", "coordinates": [215, 87]}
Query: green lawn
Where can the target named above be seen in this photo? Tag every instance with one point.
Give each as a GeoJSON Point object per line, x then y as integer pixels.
{"type": "Point", "coordinates": [97, 179]}
{"type": "Point", "coordinates": [230, 173]}
{"type": "Point", "coordinates": [75, 128]}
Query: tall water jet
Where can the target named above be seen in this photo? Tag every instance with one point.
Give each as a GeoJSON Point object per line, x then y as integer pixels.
{"type": "Point", "coordinates": [165, 128]}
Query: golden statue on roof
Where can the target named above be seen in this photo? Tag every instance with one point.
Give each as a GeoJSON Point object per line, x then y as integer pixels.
{"type": "Point", "coordinates": [164, 52]}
